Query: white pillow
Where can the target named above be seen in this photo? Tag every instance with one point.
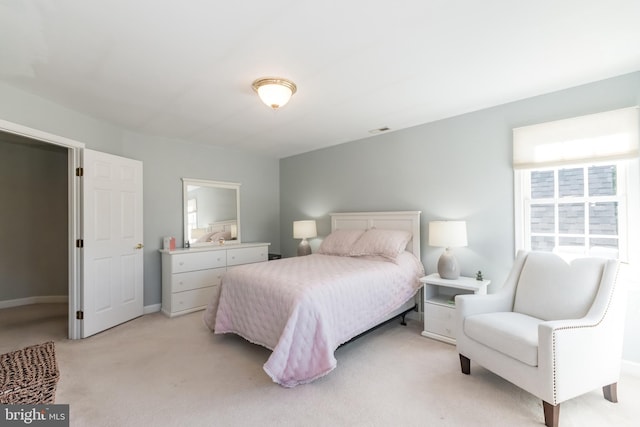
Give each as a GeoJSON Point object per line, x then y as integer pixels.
{"type": "Point", "coordinates": [384, 243]}
{"type": "Point", "coordinates": [339, 242]}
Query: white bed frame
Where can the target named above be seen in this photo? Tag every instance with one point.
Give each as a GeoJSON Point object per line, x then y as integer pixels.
{"type": "Point", "coordinates": [402, 220]}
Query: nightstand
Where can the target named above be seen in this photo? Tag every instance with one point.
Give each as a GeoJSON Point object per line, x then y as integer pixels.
{"type": "Point", "coordinates": [439, 305]}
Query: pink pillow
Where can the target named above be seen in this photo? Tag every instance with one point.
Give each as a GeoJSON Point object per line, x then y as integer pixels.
{"type": "Point", "coordinates": [339, 242]}
{"type": "Point", "coordinates": [384, 243]}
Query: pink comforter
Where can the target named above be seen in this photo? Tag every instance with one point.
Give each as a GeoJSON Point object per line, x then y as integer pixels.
{"type": "Point", "coordinates": [304, 308]}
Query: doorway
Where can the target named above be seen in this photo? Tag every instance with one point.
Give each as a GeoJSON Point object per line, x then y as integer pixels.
{"type": "Point", "coordinates": [73, 153]}
{"type": "Point", "coordinates": [105, 267]}
{"type": "Point", "coordinates": [34, 256]}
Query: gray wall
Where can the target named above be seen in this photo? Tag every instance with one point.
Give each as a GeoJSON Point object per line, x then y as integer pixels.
{"type": "Point", "coordinates": [458, 168]}
{"type": "Point", "coordinates": [165, 162]}
{"type": "Point", "coordinates": [33, 225]}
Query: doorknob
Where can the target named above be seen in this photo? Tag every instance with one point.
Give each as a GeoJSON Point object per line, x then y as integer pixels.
{"type": "Point", "coordinates": [139, 246]}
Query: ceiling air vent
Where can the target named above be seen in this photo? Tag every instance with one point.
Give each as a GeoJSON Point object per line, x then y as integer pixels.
{"type": "Point", "coordinates": [380, 130]}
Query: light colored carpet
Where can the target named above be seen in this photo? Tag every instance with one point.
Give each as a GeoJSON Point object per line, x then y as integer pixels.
{"type": "Point", "coordinates": [174, 372]}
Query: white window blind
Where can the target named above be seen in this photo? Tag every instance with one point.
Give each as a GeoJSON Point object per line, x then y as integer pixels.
{"type": "Point", "coordinates": [612, 135]}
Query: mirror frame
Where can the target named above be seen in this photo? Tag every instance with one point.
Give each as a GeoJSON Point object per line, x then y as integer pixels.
{"type": "Point", "coordinates": [212, 184]}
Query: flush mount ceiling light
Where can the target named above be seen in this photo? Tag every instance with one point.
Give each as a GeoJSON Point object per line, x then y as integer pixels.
{"type": "Point", "coordinates": [274, 91]}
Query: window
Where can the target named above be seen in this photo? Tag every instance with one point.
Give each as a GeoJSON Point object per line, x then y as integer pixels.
{"type": "Point", "coordinates": [578, 209]}
{"type": "Point", "coordinates": [577, 185]}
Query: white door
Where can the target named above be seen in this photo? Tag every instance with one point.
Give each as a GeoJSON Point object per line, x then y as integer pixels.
{"type": "Point", "coordinates": [113, 256]}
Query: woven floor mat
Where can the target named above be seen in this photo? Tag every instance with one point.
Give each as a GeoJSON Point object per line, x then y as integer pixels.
{"type": "Point", "coordinates": [29, 375]}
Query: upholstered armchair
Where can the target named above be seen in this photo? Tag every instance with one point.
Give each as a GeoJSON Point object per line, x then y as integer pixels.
{"type": "Point", "coordinates": [554, 329]}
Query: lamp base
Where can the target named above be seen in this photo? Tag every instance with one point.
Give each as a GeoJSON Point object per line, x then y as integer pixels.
{"type": "Point", "coordinates": [304, 248]}
{"type": "Point", "coordinates": [448, 267]}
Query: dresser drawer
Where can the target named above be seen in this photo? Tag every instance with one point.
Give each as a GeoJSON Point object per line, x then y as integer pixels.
{"type": "Point", "coordinates": [247, 255]}
{"type": "Point", "coordinates": [193, 299]}
{"type": "Point", "coordinates": [198, 261]}
{"type": "Point", "coordinates": [440, 319]}
{"type": "Point", "coordinates": [196, 279]}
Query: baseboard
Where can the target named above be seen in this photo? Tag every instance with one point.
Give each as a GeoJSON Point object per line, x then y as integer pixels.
{"type": "Point", "coordinates": [52, 299]}
{"type": "Point", "coordinates": [153, 308]}
{"type": "Point", "coordinates": [415, 315]}
{"type": "Point", "coordinates": [631, 368]}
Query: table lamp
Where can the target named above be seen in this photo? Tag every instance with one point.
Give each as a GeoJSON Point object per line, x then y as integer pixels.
{"type": "Point", "coordinates": [304, 230]}
{"type": "Point", "coordinates": [448, 234]}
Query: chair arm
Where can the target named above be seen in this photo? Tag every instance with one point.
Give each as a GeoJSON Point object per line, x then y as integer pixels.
{"type": "Point", "coordinates": [468, 305]}
{"type": "Point", "coordinates": [580, 354]}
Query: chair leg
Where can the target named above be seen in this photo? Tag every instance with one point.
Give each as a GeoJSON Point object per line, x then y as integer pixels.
{"type": "Point", "coordinates": [465, 365]}
{"type": "Point", "coordinates": [611, 392]}
{"type": "Point", "coordinates": [551, 414]}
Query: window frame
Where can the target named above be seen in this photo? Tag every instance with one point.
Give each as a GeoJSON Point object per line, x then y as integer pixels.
{"type": "Point", "coordinates": [628, 198]}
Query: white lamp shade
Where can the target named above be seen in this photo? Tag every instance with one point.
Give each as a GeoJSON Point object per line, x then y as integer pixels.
{"type": "Point", "coordinates": [448, 234]}
{"type": "Point", "coordinates": [304, 229]}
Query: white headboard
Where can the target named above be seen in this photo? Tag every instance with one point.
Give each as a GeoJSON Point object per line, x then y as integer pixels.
{"type": "Point", "coordinates": [404, 220]}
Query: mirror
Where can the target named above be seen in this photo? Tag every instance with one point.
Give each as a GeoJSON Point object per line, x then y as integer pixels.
{"type": "Point", "coordinates": [211, 212]}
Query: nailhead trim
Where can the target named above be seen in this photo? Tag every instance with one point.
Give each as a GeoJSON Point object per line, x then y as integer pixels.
{"type": "Point", "coordinates": [553, 342]}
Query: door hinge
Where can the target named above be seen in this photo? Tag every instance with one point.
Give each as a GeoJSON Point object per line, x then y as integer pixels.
{"type": "Point", "coordinates": [80, 315]}
{"type": "Point", "coordinates": [79, 171]}
{"type": "Point", "coordinates": [79, 243]}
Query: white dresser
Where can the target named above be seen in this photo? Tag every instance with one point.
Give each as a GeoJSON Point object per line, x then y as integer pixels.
{"type": "Point", "coordinates": [191, 277]}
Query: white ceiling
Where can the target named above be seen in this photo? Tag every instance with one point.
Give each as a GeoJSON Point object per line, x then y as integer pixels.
{"type": "Point", "coordinates": [183, 68]}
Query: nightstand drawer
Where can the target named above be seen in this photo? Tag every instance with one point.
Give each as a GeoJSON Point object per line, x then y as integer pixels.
{"type": "Point", "coordinates": [196, 279]}
{"type": "Point", "coordinates": [247, 255]}
{"type": "Point", "coordinates": [198, 261]}
{"type": "Point", "coordinates": [191, 299]}
{"type": "Point", "coordinates": [439, 312]}
{"type": "Point", "coordinates": [440, 319]}
{"type": "Point", "coordinates": [441, 327]}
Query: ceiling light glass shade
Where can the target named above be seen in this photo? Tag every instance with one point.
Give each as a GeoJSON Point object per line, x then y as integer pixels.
{"type": "Point", "coordinates": [274, 92]}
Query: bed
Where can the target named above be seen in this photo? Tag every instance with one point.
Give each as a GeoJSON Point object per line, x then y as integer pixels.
{"type": "Point", "coordinates": [364, 273]}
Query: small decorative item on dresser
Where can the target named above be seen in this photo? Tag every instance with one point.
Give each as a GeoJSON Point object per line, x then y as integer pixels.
{"type": "Point", "coordinates": [169, 243]}
{"type": "Point", "coordinates": [479, 275]}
